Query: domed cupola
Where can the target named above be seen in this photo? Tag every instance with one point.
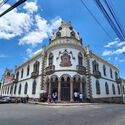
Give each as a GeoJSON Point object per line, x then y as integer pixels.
{"type": "Point", "coordinates": [65, 31]}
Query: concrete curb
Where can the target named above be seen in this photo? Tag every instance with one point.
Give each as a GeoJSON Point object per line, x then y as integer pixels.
{"type": "Point", "coordinates": [62, 104]}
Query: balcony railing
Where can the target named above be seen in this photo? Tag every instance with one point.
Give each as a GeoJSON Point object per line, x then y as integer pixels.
{"type": "Point", "coordinates": [81, 69]}
{"type": "Point", "coordinates": [34, 75]}
{"type": "Point", "coordinates": [97, 74]}
{"type": "Point", "coordinates": [15, 80]}
{"type": "Point", "coordinates": [118, 80]}
{"type": "Point", "coordinates": [50, 69]}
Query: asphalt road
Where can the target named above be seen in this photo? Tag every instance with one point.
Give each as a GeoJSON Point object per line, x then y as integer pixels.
{"type": "Point", "coordinates": [29, 114]}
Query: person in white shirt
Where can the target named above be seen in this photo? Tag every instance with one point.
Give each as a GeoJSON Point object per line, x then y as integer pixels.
{"type": "Point", "coordinates": [81, 97]}
{"type": "Point", "coordinates": [75, 96]}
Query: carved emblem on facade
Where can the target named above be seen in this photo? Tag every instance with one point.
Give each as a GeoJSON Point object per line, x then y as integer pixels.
{"type": "Point", "coordinates": [65, 60]}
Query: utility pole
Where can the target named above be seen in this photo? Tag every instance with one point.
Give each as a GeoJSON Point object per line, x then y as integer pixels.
{"type": "Point", "coordinates": [12, 7]}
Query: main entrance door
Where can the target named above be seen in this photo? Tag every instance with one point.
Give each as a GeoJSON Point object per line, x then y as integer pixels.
{"type": "Point", "coordinates": [65, 90]}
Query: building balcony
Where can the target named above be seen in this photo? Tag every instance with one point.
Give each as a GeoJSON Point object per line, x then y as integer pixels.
{"type": "Point", "coordinates": [50, 69]}
{"type": "Point", "coordinates": [97, 74]}
{"type": "Point", "coordinates": [81, 69]}
{"type": "Point", "coordinates": [34, 74]}
{"type": "Point", "coordinates": [15, 80]}
{"type": "Point", "coordinates": [118, 80]}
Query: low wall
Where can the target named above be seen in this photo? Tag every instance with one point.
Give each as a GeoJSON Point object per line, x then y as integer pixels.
{"type": "Point", "coordinates": [108, 100]}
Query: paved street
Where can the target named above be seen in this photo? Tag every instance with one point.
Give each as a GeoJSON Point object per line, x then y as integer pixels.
{"type": "Point", "coordinates": [30, 114]}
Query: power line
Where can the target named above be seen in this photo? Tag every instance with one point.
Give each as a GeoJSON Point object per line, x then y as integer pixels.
{"type": "Point", "coordinates": [83, 3]}
{"type": "Point", "coordinates": [3, 2]}
{"type": "Point", "coordinates": [108, 18]}
{"type": "Point", "coordinates": [114, 17]}
{"type": "Point", "coordinates": [12, 7]}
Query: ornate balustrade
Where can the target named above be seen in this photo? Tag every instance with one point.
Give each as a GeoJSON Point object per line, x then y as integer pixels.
{"type": "Point", "coordinates": [50, 69]}
{"type": "Point", "coordinates": [34, 74]}
{"type": "Point", "coordinates": [97, 74]}
{"type": "Point", "coordinates": [81, 69]}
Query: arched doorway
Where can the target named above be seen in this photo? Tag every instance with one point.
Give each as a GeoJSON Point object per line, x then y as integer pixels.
{"type": "Point", "coordinates": [76, 84]}
{"type": "Point", "coordinates": [84, 89]}
{"type": "Point", "coordinates": [65, 89]}
{"type": "Point", "coordinates": [54, 85]}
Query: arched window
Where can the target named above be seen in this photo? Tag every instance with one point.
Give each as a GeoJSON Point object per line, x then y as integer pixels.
{"type": "Point", "coordinates": [19, 91]}
{"type": "Point", "coordinates": [76, 84]}
{"type": "Point", "coordinates": [22, 73]}
{"type": "Point", "coordinates": [17, 76]}
{"type": "Point", "coordinates": [113, 89]}
{"type": "Point", "coordinates": [28, 70]}
{"type": "Point", "coordinates": [25, 88]}
{"type": "Point", "coordinates": [111, 73]}
{"type": "Point", "coordinates": [72, 34]}
{"type": "Point", "coordinates": [95, 66]}
{"type": "Point", "coordinates": [80, 58]}
{"type": "Point", "coordinates": [54, 85]}
{"type": "Point", "coordinates": [8, 90]}
{"type": "Point", "coordinates": [116, 75]}
{"type": "Point", "coordinates": [119, 92]}
{"type": "Point", "coordinates": [3, 90]}
{"type": "Point", "coordinates": [36, 66]}
{"type": "Point", "coordinates": [11, 89]}
{"type": "Point", "coordinates": [34, 87]}
{"type": "Point", "coordinates": [123, 90]}
{"type": "Point", "coordinates": [58, 34]}
{"type": "Point", "coordinates": [50, 59]}
{"type": "Point", "coordinates": [97, 87]}
{"type": "Point", "coordinates": [104, 70]}
{"type": "Point", "coordinates": [106, 88]}
{"type": "Point", "coordinates": [15, 89]}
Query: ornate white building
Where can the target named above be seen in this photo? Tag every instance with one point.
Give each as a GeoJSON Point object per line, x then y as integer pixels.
{"type": "Point", "coordinates": [65, 67]}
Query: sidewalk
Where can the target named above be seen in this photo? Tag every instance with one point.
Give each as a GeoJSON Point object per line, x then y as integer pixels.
{"type": "Point", "coordinates": [61, 104]}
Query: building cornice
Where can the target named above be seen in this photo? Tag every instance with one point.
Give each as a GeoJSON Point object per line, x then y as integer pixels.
{"type": "Point", "coordinates": [29, 60]}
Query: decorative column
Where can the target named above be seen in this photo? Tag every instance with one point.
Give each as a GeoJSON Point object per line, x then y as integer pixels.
{"type": "Point", "coordinates": [88, 72]}
{"type": "Point", "coordinates": [81, 87]}
{"type": "Point", "coordinates": [49, 87]}
{"type": "Point", "coordinates": [71, 91]}
{"type": "Point", "coordinates": [59, 91]}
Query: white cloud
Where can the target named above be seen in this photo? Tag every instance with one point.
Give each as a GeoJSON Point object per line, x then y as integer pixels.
{"type": "Point", "coordinates": [33, 38]}
{"type": "Point", "coordinates": [121, 44]}
{"type": "Point", "coordinates": [2, 56]}
{"type": "Point", "coordinates": [31, 53]}
{"type": "Point", "coordinates": [30, 7]}
{"type": "Point", "coordinates": [13, 23]}
{"type": "Point", "coordinates": [119, 51]}
{"type": "Point", "coordinates": [107, 53]}
{"type": "Point", "coordinates": [111, 44]}
{"type": "Point", "coordinates": [43, 30]}
{"type": "Point", "coordinates": [114, 50]}
{"type": "Point", "coordinates": [31, 28]}
{"type": "Point", "coordinates": [122, 60]}
{"type": "Point", "coordinates": [116, 43]}
{"type": "Point", "coordinates": [28, 25]}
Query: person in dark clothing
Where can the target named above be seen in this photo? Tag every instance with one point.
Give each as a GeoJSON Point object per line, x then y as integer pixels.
{"type": "Point", "coordinates": [27, 98]}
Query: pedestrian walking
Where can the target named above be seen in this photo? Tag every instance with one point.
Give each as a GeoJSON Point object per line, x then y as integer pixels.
{"type": "Point", "coordinates": [49, 98]}
{"type": "Point", "coordinates": [75, 96]}
{"type": "Point", "coordinates": [81, 97]}
{"type": "Point", "coordinates": [54, 97]}
{"type": "Point", "coordinates": [27, 99]}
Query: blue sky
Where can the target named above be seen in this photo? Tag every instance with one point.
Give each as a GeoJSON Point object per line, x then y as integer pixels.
{"type": "Point", "coordinates": [24, 30]}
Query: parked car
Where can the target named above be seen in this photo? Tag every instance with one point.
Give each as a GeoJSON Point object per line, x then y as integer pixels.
{"type": "Point", "coordinates": [7, 100]}
{"type": "Point", "coordinates": [4, 100]}
{"type": "Point", "coordinates": [13, 100]}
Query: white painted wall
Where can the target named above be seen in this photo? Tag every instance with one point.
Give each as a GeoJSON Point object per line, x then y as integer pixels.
{"type": "Point", "coordinates": [102, 81]}
{"type": "Point", "coordinates": [73, 62]}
